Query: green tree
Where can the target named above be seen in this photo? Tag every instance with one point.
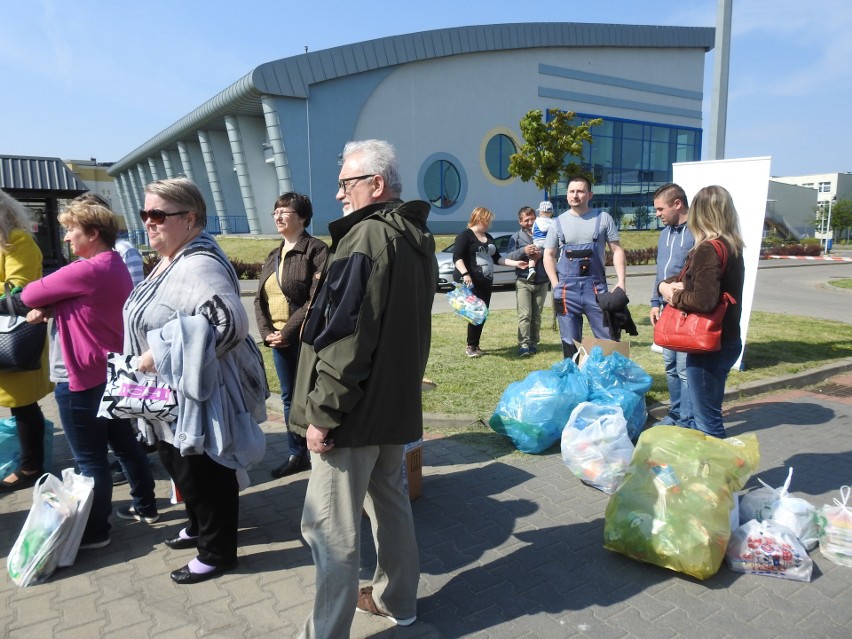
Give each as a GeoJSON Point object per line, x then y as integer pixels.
{"type": "Point", "coordinates": [642, 218]}
{"type": "Point", "coordinates": [547, 144]}
{"type": "Point", "coordinates": [841, 217]}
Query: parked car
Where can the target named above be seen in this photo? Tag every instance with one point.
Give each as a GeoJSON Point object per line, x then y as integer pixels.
{"type": "Point", "coordinates": [503, 275]}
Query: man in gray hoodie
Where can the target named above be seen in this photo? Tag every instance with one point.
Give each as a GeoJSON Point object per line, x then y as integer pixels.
{"type": "Point", "coordinates": [675, 242]}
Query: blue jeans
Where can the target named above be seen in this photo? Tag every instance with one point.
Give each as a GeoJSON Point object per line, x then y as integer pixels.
{"type": "Point", "coordinates": [285, 360]}
{"type": "Point", "coordinates": [706, 376]}
{"type": "Point", "coordinates": [88, 435]}
{"type": "Point", "coordinates": [680, 408]}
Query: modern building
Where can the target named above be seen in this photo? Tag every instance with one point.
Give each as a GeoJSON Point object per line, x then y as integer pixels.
{"type": "Point", "coordinates": [830, 187]}
{"type": "Point", "coordinates": [450, 100]}
{"type": "Point", "coordinates": [94, 175]}
{"type": "Point", "coordinates": [790, 209]}
{"type": "Point", "coordinates": [42, 185]}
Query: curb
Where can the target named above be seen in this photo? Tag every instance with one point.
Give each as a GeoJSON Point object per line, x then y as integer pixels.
{"type": "Point", "coordinates": [750, 389]}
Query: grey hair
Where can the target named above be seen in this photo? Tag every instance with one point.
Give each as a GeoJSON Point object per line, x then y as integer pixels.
{"type": "Point", "coordinates": [184, 193]}
{"type": "Point", "coordinates": [13, 215]}
{"type": "Point", "coordinates": [377, 157]}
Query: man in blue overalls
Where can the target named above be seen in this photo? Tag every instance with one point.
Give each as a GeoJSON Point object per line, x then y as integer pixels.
{"type": "Point", "coordinates": [574, 258]}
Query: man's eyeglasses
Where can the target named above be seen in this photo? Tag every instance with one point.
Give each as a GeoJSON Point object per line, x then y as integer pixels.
{"type": "Point", "coordinates": [341, 184]}
{"type": "Point", "coordinates": [157, 216]}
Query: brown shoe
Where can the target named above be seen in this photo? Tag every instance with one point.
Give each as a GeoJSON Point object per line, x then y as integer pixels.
{"type": "Point", "coordinates": [367, 604]}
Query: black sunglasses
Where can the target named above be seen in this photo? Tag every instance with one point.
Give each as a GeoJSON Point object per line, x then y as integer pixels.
{"type": "Point", "coordinates": [157, 216]}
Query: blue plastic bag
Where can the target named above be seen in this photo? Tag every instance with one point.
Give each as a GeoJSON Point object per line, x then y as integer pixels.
{"type": "Point", "coordinates": [533, 411]}
{"type": "Point", "coordinates": [632, 405]}
{"type": "Point", "coordinates": [467, 305]}
{"type": "Point", "coordinates": [632, 376]}
{"type": "Point", "coordinates": [10, 447]}
{"type": "Point", "coordinates": [599, 371]}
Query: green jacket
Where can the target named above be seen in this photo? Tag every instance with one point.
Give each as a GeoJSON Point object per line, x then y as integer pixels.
{"type": "Point", "coordinates": [367, 333]}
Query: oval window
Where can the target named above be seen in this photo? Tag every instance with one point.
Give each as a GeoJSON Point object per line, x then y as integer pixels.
{"type": "Point", "coordinates": [442, 184]}
{"type": "Point", "coordinates": [497, 153]}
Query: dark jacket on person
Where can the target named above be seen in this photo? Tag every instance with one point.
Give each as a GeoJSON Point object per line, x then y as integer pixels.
{"type": "Point", "coordinates": [367, 334]}
{"type": "Point", "coordinates": [673, 247]}
{"type": "Point", "coordinates": [303, 266]}
{"type": "Point", "coordinates": [515, 251]}
{"type": "Point", "coordinates": [616, 315]}
{"type": "Point", "coordinates": [704, 282]}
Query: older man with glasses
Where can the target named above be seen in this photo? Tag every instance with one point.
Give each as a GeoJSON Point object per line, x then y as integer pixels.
{"type": "Point", "coordinates": [367, 330]}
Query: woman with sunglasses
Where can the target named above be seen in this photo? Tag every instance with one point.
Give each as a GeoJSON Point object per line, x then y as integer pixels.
{"type": "Point", "coordinates": [186, 323]}
{"type": "Point", "coordinates": [85, 299]}
{"type": "Point", "coordinates": [288, 279]}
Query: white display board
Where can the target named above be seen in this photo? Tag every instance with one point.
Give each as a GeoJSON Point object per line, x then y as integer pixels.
{"type": "Point", "coordinates": [747, 180]}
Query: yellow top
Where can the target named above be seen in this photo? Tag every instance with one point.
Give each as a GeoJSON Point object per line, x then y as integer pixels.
{"type": "Point", "coordinates": [20, 264]}
{"type": "Point", "coordinates": [279, 306]}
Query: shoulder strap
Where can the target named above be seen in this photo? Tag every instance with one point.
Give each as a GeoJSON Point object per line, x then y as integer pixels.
{"type": "Point", "coordinates": [722, 252]}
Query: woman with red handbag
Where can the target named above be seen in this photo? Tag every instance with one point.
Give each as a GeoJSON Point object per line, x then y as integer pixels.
{"type": "Point", "coordinates": [714, 267]}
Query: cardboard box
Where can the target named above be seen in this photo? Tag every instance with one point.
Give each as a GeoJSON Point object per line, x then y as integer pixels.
{"type": "Point", "coordinates": [412, 468]}
{"type": "Point", "coordinates": [607, 345]}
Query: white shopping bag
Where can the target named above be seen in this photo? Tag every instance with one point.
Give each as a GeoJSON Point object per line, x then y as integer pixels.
{"type": "Point", "coordinates": [82, 489]}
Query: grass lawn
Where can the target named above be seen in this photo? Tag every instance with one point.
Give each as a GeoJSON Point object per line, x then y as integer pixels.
{"type": "Point", "coordinates": [254, 249]}
{"type": "Point", "coordinates": [841, 283]}
{"type": "Point", "coordinates": [777, 345]}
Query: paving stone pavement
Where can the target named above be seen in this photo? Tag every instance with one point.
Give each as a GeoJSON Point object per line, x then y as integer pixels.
{"type": "Point", "coordinates": [510, 545]}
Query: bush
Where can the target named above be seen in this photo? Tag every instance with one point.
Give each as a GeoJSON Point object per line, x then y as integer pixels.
{"type": "Point", "coordinates": [636, 256]}
{"type": "Point", "coordinates": [809, 249]}
{"type": "Point", "coordinates": [245, 270]}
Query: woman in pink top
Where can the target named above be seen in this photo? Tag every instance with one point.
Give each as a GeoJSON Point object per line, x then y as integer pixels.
{"type": "Point", "coordinates": [85, 299]}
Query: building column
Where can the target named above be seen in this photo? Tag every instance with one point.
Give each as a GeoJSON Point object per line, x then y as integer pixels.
{"type": "Point", "coordinates": [137, 201]}
{"type": "Point", "coordinates": [238, 151]}
{"type": "Point", "coordinates": [213, 179]}
{"type": "Point", "coordinates": [185, 160]}
{"type": "Point", "coordinates": [167, 164]}
{"type": "Point", "coordinates": [279, 153]}
{"type": "Point", "coordinates": [152, 166]}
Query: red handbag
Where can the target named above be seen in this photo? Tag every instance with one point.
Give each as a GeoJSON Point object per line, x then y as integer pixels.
{"type": "Point", "coordinates": [693, 332]}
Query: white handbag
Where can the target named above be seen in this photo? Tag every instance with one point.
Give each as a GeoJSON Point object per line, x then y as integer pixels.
{"type": "Point", "coordinates": [131, 394]}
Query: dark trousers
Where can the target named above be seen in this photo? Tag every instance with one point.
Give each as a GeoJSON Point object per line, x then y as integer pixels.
{"type": "Point", "coordinates": [285, 360]}
{"type": "Point", "coordinates": [29, 422]}
{"type": "Point", "coordinates": [482, 289]}
{"type": "Point", "coordinates": [210, 495]}
{"type": "Point", "coordinates": [89, 437]}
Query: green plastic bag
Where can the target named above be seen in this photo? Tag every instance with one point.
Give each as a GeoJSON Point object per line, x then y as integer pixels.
{"type": "Point", "coordinates": [673, 508]}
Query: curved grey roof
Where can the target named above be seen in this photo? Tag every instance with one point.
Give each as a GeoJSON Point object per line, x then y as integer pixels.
{"type": "Point", "coordinates": [293, 76]}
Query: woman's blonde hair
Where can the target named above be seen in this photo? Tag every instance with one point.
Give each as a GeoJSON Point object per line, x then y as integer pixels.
{"type": "Point", "coordinates": [13, 215]}
{"type": "Point", "coordinates": [91, 216]}
{"type": "Point", "coordinates": [712, 216]}
{"type": "Point", "coordinates": [480, 215]}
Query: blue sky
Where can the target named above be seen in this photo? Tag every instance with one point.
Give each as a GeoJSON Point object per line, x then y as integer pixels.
{"type": "Point", "coordinates": [97, 79]}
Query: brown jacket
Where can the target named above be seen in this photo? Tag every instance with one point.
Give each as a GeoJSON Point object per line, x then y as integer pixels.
{"type": "Point", "coordinates": [704, 282]}
{"type": "Point", "coordinates": [303, 265]}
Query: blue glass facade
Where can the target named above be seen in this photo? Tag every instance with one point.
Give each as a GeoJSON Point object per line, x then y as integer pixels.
{"type": "Point", "coordinates": [629, 160]}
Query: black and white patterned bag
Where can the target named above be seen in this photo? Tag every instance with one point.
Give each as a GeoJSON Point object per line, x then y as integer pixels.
{"type": "Point", "coordinates": [131, 394]}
